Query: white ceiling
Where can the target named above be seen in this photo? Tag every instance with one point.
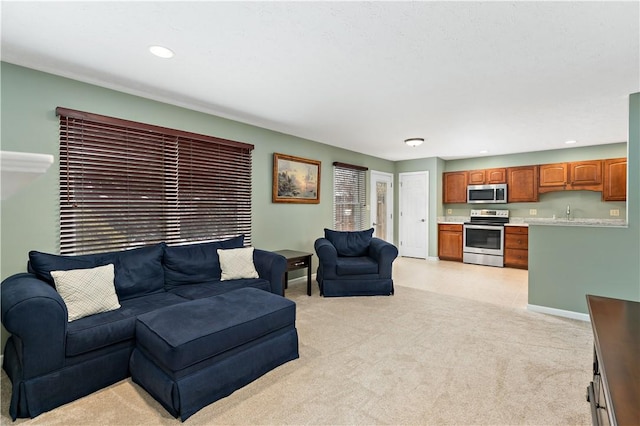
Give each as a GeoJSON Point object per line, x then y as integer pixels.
{"type": "Point", "coordinates": [505, 77]}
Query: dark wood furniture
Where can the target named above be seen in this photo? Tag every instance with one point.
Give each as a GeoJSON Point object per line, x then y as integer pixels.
{"type": "Point", "coordinates": [296, 260]}
{"type": "Point", "coordinates": [614, 393]}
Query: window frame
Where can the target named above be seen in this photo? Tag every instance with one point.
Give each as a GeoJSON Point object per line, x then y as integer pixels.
{"type": "Point", "coordinates": [349, 189]}
{"type": "Point", "coordinates": [143, 184]}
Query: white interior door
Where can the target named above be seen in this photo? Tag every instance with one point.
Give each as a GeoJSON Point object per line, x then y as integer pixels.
{"type": "Point", "coordinates": [381, 202]}
{"type": "Point", "coordinates": [414, 209]}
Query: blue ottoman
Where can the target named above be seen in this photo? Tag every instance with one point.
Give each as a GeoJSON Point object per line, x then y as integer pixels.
{"type": "Point", "coordinates": [194, 353]}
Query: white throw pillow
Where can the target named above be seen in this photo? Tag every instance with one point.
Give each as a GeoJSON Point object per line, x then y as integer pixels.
{"type": "Point", "coordinates": [87, 291]}
{"type": "Point", "coordinates": [237, 263]}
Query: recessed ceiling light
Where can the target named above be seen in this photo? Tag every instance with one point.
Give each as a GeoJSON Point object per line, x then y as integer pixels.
{"type": "Point", "coordinates": [161, 52]}
{"type": "Point", "coordinates": [484, 151]}
{"type": "Point", "coordinates": [570, 142]}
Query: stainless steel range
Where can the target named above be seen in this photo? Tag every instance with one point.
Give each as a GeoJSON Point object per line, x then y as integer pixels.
{"type": "Point", "coordinates": [483, 237]}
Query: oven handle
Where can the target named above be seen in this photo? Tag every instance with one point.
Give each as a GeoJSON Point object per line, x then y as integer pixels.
{"type": "Point", "coordinates": [490, 227]}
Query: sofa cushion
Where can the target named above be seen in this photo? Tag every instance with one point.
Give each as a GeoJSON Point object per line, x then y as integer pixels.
{"type": "Point", "coordinates": [211, 326]}
{"type": "Point", "coordinates": [104, 329]}
{"type": "Point", "coordinates": [356, 266]}
{"type": "Point", "coordinates": [87, 291]}
{"type": "Point", "coordinates": [237, 263]}
{"type": "Point", "coordinates": [202, 290]}
{"type": "Point", "coordinates": [137, 271]}
{"type": "Point", "coordinates": [350, 243]}
{"type": "Point", "coordinates": [195, 263]}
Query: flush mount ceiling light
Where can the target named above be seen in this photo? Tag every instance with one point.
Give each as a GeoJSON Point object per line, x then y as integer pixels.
{"type": "Point", "coordinates": [161, 52]}
{"type": "Point", "coordinates": [413, 142]}
{"type": "Point", "coordinates": [570, 142]}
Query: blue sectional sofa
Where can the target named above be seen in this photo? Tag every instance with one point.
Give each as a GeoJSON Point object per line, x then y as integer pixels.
{"type": "Point", "coordinates": [51, 361]}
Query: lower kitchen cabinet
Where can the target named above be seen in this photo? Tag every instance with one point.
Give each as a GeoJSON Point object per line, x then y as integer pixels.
{"type": "Point", "coordinates": [516, 247]}
{"type": "Point", "coordinates": [450, 242]}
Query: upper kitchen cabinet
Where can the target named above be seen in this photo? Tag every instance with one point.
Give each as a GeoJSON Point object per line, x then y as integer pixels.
{"type": "Point", "coordinates": [522, 184]}
{"type": "Point", "coordinates": [454, 187]}
{"type": "Point", "coordinates": [487, 176]}
{"type": "Point", "coordinates": [615, 180]}
{"type": "Point", "coordinates": [577, 175]}
{"type": "Point", "coordinates": [553, 177]}
{"type": "Point", "coordinates": [586, 175]}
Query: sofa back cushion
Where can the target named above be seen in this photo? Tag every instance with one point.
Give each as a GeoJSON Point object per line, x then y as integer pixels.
{"type": "Point", "coordinates": [137, 271]}
{"type": "Point", "coordinates": [196, 263]}
{"type": "Point", "coordinates": [350, 243]}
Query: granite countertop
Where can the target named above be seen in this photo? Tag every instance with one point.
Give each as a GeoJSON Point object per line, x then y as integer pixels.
{"type": "Point", "coordinates": [603, 223]}
{"type": "Point", "coordinates": [544, 221]}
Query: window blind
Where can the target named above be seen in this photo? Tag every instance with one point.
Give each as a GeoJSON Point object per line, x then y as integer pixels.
{"type": "Point", "coordinates": [349, 192]}
{"type": "Point", "coordinates": [125, 184]}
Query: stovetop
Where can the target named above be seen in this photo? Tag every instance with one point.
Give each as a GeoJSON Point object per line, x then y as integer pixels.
{"type": "Point", "coordinates": [488, 217]}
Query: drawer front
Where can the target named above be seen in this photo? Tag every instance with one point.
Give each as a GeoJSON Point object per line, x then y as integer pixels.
{"type": "Point", "coordinates": [297, 263]}
{"type": "Point", "coordinates": [516, 230]}
{"type": "Point", "coordinates": [450, 227]}
{"type": "Point", "coordinates": [517, 258]}
{"type": "Point", "coordinates": [516, 241]}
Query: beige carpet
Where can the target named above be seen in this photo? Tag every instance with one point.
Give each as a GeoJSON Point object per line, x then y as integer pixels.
{"type": "Point", "coordinates": [418, 357]}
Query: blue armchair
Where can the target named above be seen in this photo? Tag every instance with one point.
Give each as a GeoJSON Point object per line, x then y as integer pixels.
{"type": "Point", "coordinates": [354, 264]}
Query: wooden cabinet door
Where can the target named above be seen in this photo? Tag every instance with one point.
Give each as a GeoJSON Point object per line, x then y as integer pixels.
{"type": "Point", "coordinates": [615, 180]}
{"type": "Point", "coordinates": [493, 176]}
{"type": "Point", "coordinates": [454, 187]}
{"type": "Point", "coordinates": [476, 177]}
{"type": "Point", "coordinates": [450, 242]}
{"type": "Point", "coordinates": [553, 175]}
{"type": "Point", "coordinates": [585, 173]}
{"type": "Point", "coordinates": [522, 184]}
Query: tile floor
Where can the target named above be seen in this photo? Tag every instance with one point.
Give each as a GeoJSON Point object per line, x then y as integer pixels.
{"type": "Point", "coordinates": [501, 286]}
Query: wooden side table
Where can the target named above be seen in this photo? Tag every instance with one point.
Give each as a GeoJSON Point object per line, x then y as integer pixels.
{"type": "Point", "coordinates": [296, 260]}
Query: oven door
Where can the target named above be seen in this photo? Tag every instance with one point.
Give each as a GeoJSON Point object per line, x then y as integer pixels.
{"type": "Point", "coordinates": [484, 239]}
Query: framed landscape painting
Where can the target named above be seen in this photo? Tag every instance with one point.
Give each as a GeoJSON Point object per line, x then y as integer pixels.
{"type": "Point", "coordinates": [295, 180]}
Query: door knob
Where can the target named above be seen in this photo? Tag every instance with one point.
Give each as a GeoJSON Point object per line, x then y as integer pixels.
{"type": "Point", "coordinates": [422, 220]}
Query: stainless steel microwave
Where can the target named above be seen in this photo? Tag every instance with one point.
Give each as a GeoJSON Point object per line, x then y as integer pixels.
{"type": "Point", "coordinates": [487, 194]}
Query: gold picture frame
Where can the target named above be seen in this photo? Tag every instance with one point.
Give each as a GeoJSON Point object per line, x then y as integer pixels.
{"type": "Point", "coordinates": [295, 180]}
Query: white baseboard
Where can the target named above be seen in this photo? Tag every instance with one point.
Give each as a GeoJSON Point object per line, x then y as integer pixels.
{"type": "Point", "coordinates": [558, 312]}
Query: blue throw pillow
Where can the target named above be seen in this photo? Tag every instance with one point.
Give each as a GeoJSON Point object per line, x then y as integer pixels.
{"type": "Point", "coordinates": [41, 264]}
{"type": "Point", "coordinates": [350, 243]}
{"type": "Point", "coordinates": [137, 271]}
{"type": "Point", "coordinates": [196, 263]}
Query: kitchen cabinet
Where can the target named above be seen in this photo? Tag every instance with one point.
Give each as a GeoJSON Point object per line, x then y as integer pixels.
{"type": "Point", "coordinates": [552, 176]}
{"type": "Point", "coordinates": [522, 184]}
{"type": "Point", "coordinates": [516, 247]}
{"type": "Point", "coordinates": [450, 242]}
{"type": "Point", "coordinates": [454, 187]}
{"type": "Point", "coordinates": [577, 175]}
{"type": "Point", "coordinates": [476, 177]}
{"type": "Point", "coordinates": [586, 175]}
{"type": "Point", "coordinates": [487, 176]}
{"type": "Point", "coordinates": [615, 180]}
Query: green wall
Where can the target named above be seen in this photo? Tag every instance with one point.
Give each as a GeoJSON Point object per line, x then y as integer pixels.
{"type": "Point", "coordinates": [568, 262]}
{"type": "Point", "coordinates": [565, 263]}
{"type": "Point", "coordinates": [29, 123]}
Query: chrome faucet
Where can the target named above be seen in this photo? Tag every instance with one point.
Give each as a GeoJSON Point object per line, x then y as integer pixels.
{"type": "Point", "coordinates": [568, 212]}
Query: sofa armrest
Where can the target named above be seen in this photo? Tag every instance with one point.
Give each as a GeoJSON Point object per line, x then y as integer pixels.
{"type": "Point", "coordinates": [270, 266]}
{"type": "Point", "coordinates": [36, 316]}
{"type": "Point", "coordinates": [384, 253]}
{"type": "Point", "coordinates": [327, 257]}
